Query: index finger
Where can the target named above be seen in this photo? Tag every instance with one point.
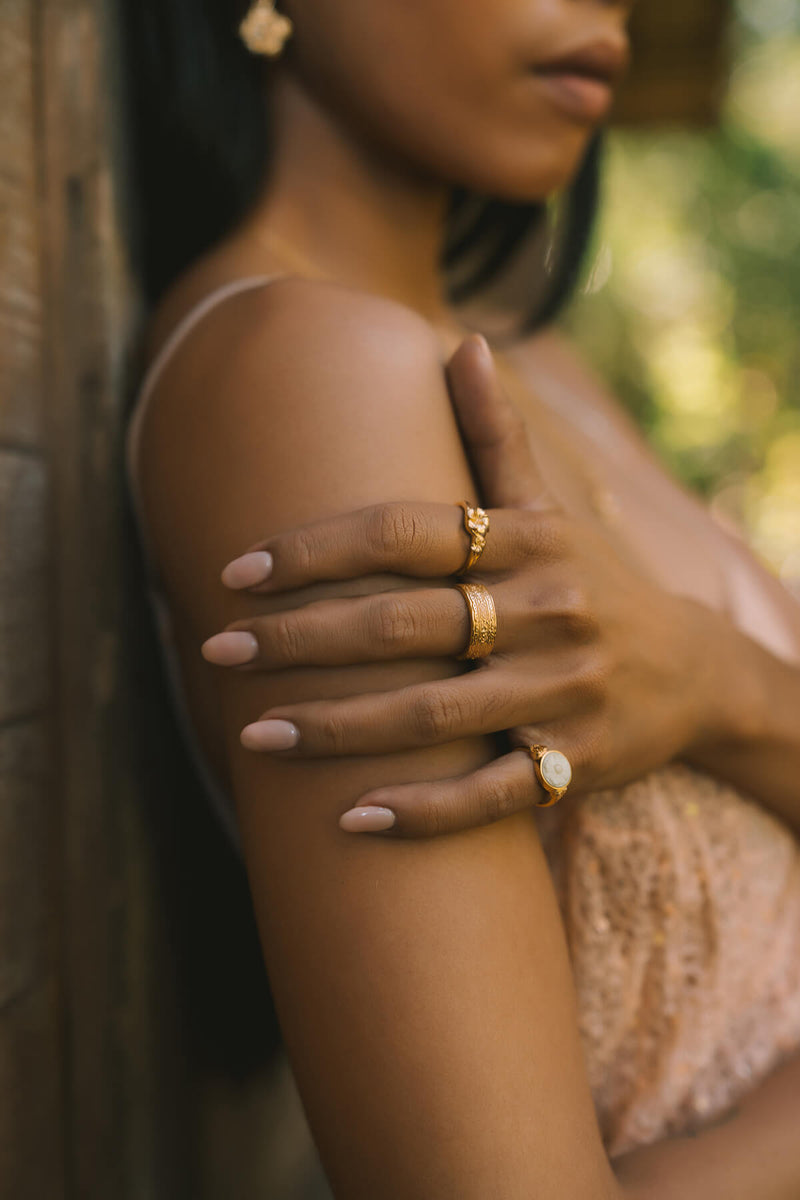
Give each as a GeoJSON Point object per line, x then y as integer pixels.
{"type": "Point", "coordinates": [422, 541]}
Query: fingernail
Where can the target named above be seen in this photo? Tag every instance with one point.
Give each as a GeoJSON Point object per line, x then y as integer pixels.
{"type": "Point", "coordinates": [367, 820]}
{"type": "Point", "coordinates": [248, 570]}
{"type": "Point", "coordinates": [483, 345]}
{"type": "Point", "coordinates": [270, 735]}
{"type": "Point", "coordinates": [230, 649]}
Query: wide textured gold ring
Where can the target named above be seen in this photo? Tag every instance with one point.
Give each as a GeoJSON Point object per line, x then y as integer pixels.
{"type": "Point", "coordinates": [553, 770]}
{"type": "Point", "coordinates": [482, 620]}
{"type": "Point", "coordinates": [476, 523]}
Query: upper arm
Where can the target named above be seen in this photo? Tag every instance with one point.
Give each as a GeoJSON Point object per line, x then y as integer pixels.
{"type": "Point", "coordinates": [423, 986]}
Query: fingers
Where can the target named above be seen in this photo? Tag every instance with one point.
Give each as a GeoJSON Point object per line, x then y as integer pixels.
{"type": "Point", "coordinates": [425, 714]}
{"type": "Point", "coordinates": [429, 623]}
{"type": "Point", "coordinates": [503, 787]}
{"type": "Point", "coordinates": [493, 431]}
{"type": "Point", "coordinates": [482, 701]}
{"type": "Point", "coordinates": [420, 540]}
{"type": "Point", "coordinates": [423, 541]}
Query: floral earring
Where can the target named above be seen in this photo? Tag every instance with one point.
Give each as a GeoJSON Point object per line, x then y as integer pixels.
{"type": "Point", "coordinates": [265, 31]}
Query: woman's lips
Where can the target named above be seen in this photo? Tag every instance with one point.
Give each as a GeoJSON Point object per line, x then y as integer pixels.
{"type": "Point", "coordinates": [582, 97]}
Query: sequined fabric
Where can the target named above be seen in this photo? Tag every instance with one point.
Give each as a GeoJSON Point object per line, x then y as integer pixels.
{"type": "Point", "coordinates": [681, 901]}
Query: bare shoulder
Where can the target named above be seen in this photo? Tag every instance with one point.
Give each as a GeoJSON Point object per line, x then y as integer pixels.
{"type": "Point", "coordinates": [327, 320]}
{"type": "Point", "coordinates": [294, 347]}
{"type": "Point", "coordinates": [289, 403]}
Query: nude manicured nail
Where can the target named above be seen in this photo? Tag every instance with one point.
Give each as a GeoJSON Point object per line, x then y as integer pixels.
{"type": "Point", "coordinates": [230, 649]}
{"type": "Point", "coordinates": [248, 570]}
{"type": "Point", "coordinates": [367, 820]}
{"type": "Point", "coordinates": [270, 735]}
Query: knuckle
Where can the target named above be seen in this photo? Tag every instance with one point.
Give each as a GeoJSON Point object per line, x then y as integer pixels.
{"type": "Point", "coordinates": [593, 755]}
{"type": "Point", "coordinates": [332, 733]}
{"type": "Point", "coordinates": [545, 535]}
{"type": "Point", "coordinates": [286, 641]}
{"type": "Point", "coordinates": [302, 551]}
{"type": "Point", "coordinates": [500, 801]}
{"type": "Point", "coordinates": [396, 529]}
{"type": "Point", "coordinates": [576, 618]}
{"type": "Point", "coordinates": [433, 815]}
{"type": "Point", "coordinates": [594, 683]}
{"type": "Point", "coordinates": [555, 534]}
{"type": "Point", "coordinates": [395, 625]}
{"type": "Point", "coordinates": [433, 717]}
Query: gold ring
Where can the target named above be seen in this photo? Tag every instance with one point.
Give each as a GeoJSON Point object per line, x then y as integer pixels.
{"type": "Point", "coordinates": [482, 620]}
{"type": "Point", "coordinates": [476, 523]}
{"type": "Point", "coordinates": [553, 770]}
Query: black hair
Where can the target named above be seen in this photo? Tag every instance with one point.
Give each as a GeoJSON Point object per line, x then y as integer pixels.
{"type": "Point", "coordinates": [199, 135]}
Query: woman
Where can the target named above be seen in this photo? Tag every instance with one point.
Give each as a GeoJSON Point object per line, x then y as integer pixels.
{"type": "Point", "coordinates": [312, 396]}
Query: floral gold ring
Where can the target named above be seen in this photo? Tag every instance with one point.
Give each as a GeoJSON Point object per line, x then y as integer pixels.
{"type": "Point", "coordinates": [476, 524]}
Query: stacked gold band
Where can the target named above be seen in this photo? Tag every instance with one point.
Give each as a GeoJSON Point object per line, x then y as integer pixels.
{"type": "Point", "coordinates": [482, 620]}
{"type": "Point", "coordinates": [476, 523]}
{"type": "Point", "coordinates": [553, 771]}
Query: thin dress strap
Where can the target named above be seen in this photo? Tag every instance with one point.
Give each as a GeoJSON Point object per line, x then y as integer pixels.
{"type": "Point", "coordinates": [153, 375]}
{"type": "Point", "coordinates": [221, 802]}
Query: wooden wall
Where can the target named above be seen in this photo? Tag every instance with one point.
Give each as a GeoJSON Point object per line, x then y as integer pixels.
{"type": "Point", "coordinates": [128, 968]}
{"type": "Point", "coordinates": [32, 1136]}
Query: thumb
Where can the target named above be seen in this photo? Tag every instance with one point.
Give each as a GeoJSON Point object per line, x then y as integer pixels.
{"type": "Point", "coordinates": [493, 431]}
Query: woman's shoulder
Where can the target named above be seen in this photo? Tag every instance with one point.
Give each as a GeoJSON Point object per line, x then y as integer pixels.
{"type": "Point", "coordinates": [297, 305]}
{"type": "Point", "coordinates": [298, 394]}
{"type": "Point", "coordinates": [305, 335]}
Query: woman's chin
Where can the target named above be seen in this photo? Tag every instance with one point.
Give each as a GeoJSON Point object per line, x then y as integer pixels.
{"type": "Point", "coordinates": [524, 182]}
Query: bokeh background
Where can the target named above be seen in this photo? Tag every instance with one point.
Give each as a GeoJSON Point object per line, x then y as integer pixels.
{"type": "Point", "coordinates": [690, 304]}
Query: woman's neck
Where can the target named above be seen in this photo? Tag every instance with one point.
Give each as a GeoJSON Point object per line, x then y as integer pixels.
{"type": "Point", "coordinates": [331, 202]}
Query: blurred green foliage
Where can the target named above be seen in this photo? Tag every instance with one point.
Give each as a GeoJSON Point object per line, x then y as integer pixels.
{"type": "Point", "coordinates": [691, 303]}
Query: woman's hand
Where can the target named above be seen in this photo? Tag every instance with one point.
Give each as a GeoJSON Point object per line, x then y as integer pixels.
{"type": "Point", "coordinates": [591, 657]}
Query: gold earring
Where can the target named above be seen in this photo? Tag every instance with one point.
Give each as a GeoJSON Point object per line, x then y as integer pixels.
{"type": "Point", "coordinates": [265, 31]}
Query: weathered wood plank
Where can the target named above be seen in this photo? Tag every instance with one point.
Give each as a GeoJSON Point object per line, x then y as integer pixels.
{"type": "Point", "coordinates": [32, 1149]}
{"type": "Point", "coordinates": [31, 1068]}
{"type": "Point", "coordinates": [24, 584]}
{"type": "Point", "coordinates": [20, 304]}
{"type": "Point", "coordinates": [29, 891]}
{"type": "Point", "coordinates": [124, 1087]}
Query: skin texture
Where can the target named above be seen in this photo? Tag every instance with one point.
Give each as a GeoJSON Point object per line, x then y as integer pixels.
{"type": "Point", "coordinates": [581, 631]}
{"type": "Point", "coordinates": [422, 984]}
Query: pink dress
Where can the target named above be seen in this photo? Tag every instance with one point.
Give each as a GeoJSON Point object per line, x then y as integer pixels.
{"type": "Point", "coordinates": [680, 898]}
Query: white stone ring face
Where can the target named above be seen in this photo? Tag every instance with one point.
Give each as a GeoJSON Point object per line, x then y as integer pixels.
{"type": "Point", "coordinates": [553, 771]}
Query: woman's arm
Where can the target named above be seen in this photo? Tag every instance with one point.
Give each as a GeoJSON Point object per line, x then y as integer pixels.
{"type": "Point", "coordinates": [752, 1151]}
{"type": "Point", "coordinates": [752, 739]}
{"type": "Point", "coordinates": [423, 987]}
{"type": "Point", "coordinates": [641, 676]}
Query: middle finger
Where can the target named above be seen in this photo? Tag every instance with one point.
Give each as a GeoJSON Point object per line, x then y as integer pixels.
{"type": "Point", "coordinates": [426, 623]}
